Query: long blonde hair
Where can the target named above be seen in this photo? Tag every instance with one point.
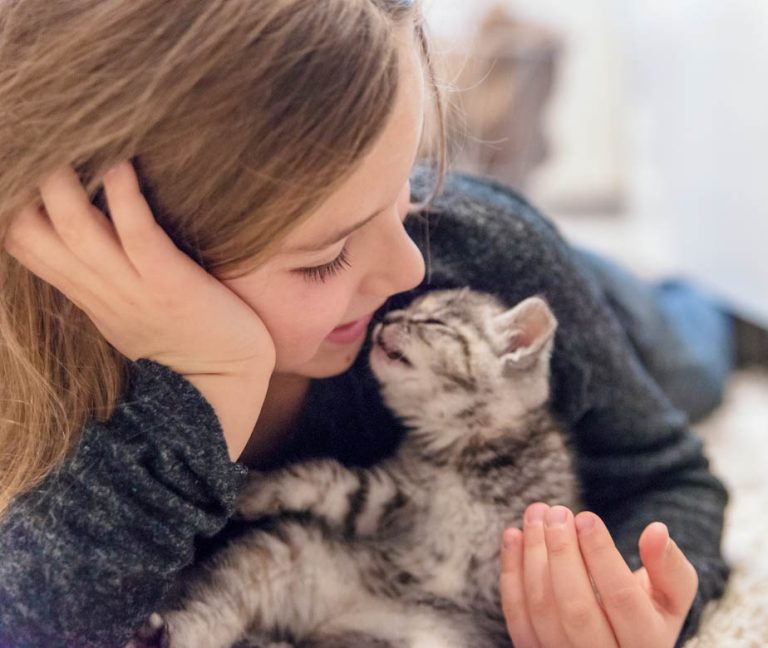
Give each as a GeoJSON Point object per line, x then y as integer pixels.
{"type": "Point", "coordinates": [240, 117]}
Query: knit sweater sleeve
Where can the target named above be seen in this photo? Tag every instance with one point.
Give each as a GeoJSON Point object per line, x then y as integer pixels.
{"type": "Point", "coordinates": [86, 556]}
{"type": "Point", "coordinates": [637, 457]}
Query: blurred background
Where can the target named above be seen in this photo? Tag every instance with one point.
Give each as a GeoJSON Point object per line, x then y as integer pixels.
{"type": "Point", "coordinates": [641, 129]}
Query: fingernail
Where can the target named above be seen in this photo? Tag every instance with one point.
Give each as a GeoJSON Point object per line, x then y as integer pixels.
{"type": "Point", "coordinates": [535, 513]}
{"type": "Point", "coordinates": [670, 543]}
{"type": "Point", "coordinates": [557, 516]}
{"type": "Point", "coordinates": [510, 538]}
{"type": "Point", "coordinates": [585, 523]}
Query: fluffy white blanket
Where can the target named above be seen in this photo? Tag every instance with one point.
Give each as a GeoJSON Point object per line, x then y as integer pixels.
{"type": "Point", "coordinates": [736, 440]}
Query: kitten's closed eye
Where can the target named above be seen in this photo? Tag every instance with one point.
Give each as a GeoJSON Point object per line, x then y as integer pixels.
{"type": "Point", "coordinates": [436, 325]}
{"type": "Point", "coordinates": [430, 321]}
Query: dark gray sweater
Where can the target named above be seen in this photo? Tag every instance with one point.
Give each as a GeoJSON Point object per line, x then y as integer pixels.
{"type": "Point", "coordinates": [88, 555]}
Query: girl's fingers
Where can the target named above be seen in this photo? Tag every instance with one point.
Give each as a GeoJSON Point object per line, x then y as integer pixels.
{"type": "Point", "coordinates": [513, 591]}
{"type": "Point", "coordinates": [33, 242]}
{"type": "Point", "coordinates": [580, 614]}
{"type": "Point", "coordinates": [85, 231]}
{"type": "Point", "coordinates": [672, 577]}
{"type": "Point", "coordinates": [542, 608]}
{"type": "Point", "coordinates": [145, 243]}
{"type": "Point", "coordinates": [625, 603]}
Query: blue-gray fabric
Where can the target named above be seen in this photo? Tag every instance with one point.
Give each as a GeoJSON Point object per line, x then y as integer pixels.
{"type": "Point", "coordinates": [85, 557]}
{"type": "Point", "coordinates": [683, 335]}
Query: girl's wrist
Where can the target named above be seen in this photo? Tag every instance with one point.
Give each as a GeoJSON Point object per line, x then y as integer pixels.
{"type": "Point", "coordinates": [237, 402]}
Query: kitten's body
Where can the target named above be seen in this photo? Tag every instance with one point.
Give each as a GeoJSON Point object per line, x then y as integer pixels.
{"type": "Point", "coordinates": [404, 554]}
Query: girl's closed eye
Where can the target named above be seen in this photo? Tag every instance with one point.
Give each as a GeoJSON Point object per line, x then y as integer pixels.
{"type": "Point", "coordinates": [323, 272]}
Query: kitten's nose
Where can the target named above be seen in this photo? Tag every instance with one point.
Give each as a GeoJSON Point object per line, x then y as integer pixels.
{"type": "Point", "coordinates": [392, 324]}
{"type": "Point", "coordinates": [389, 336]}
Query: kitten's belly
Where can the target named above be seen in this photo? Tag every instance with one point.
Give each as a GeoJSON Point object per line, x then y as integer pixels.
{"type": "Point", "coordinates": [459, 542]}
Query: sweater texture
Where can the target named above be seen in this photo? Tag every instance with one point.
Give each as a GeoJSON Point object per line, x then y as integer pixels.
{"type": "Point", "coordinates": [90, 553]}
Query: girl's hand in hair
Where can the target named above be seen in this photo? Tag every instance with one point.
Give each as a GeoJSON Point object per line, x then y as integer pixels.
{"type": "Point", "coordinates": [146, 297]}
{"type": "Point", "coordinates": [565, 585]}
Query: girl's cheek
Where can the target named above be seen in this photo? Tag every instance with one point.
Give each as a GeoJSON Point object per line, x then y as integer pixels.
{"type": "Point", "coordinates": [313, 318]}
{"type": "Point", "coordinates": [298, 314]}
{"type": "Point", "coordinates": [295, 347]}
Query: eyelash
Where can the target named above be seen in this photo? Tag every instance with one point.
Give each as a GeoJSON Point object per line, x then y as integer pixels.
{"type": "Point", "coordinates": [322, 272]}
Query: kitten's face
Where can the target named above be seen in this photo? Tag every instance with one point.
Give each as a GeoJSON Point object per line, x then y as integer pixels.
{"type": "Point", "coordinates": [451, 350]}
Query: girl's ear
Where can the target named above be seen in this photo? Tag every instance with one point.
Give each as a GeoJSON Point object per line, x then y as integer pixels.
{"type": "Point", "coordinates": [524, 333]}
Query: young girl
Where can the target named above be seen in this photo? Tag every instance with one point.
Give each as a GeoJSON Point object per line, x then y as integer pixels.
{"type": "Point", "coordinates": [208, 313]}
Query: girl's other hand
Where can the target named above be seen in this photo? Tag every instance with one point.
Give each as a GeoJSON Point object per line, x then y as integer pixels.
{"type": "Point", "coordinates": [565, 585]}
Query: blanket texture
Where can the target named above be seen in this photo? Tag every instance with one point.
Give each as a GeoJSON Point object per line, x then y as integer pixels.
{"type": "Point", "coordinates": [736, 438]}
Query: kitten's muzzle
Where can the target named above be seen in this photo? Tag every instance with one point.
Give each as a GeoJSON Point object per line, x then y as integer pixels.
{"type": "Point", "coordinates": [385, 336]}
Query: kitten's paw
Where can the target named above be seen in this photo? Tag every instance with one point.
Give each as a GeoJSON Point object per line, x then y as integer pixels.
{"type": "Point", "coordinates": [180, 632]}
{"type": "Point", "coordinates": [185, 629]}
{"type": "Point", "coordinates": [150, 634]}
{"type": "Point", "coordinates": [272, 493]}
{"type": "Point", "coordinates": [319, 487]}
{"type": "Point", "coordinates": [263, 495]}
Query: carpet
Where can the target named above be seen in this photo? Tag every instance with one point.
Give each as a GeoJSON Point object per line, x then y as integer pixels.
{"type": "Point", "coordinates": [736, 439]}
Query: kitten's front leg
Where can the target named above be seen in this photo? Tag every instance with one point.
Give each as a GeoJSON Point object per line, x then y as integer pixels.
{"type": "Point", "coordinates": [320, 487]}
{"type": "Point", "coordinates": [350, 501]}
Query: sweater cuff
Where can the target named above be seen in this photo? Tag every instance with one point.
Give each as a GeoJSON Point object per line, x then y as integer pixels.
{"type": "Point", "coordinates": [188, 428]}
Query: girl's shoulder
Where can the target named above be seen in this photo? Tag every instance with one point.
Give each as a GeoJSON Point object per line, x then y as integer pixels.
{"type": "Point", "coordinates": [473, 199]}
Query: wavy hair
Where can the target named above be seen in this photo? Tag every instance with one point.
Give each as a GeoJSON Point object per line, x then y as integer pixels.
{"type": "Point", "coordinates": [240, 116]}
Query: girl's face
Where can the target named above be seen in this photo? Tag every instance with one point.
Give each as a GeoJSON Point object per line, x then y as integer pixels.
{"type": "Point", "coordinates": [303, 295]}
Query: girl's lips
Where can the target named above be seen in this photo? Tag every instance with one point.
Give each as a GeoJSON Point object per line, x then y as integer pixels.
{"type": "Point", "coordinates": [349, 332]}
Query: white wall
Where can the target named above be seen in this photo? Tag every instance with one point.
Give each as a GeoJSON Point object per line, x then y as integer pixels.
{"type": "Point", "coordinates": [699, 109]}
{"type": "Point", "coordinates": [666, 103]}
{"type": "Point", "coordinates": [584, 120]}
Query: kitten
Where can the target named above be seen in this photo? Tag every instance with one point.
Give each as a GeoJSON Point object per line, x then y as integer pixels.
{"type": "Point", "coordinates": [405, 553]}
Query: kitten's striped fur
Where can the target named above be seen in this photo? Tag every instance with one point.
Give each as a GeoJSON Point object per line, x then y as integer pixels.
{"type": "Point", "coordinates": [404, 554]}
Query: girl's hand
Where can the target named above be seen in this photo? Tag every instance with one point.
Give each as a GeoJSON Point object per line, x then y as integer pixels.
{"type": "Point", "coordinates": [565, 585]}
{"type": "Point", "coordinates": [147, 298]}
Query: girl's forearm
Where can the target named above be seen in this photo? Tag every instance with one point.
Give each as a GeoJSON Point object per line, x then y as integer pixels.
{"type": "Point", "coordinates": [89, 554]}
{"type": "Point", "coordinates": [237, 401]}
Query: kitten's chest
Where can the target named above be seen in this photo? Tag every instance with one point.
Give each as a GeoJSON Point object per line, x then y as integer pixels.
{"type": "Point", "coordinates": [457, 536]}
{"type": "Point", "coordinates": [462, 513]}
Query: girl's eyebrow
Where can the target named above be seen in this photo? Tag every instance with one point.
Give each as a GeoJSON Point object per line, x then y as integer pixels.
{"type": "Point", "coordinates": [333, 238]}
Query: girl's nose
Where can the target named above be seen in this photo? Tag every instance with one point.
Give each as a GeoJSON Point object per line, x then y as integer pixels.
{"type": "Point", "coordinates": [396, 263]}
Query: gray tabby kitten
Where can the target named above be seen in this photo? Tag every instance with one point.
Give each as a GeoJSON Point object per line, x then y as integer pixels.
{"type": "Point", "coordinates": [406, 553]}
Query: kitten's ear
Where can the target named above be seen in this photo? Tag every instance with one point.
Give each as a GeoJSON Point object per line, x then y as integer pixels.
{"type": "Point", "coordinates": [524, 331]}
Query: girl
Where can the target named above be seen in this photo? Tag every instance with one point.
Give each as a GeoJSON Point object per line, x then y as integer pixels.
{"type": "Point", "coordinates": [207, 312]}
